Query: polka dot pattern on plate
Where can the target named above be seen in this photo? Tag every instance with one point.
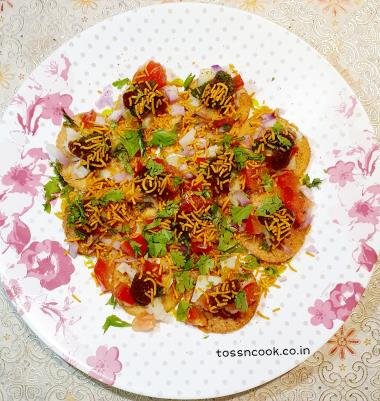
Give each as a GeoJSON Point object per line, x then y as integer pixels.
{"type": "Point", "coordinates": [178, 361]}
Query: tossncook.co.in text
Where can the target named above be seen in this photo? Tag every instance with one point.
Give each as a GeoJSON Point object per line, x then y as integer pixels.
{"type": "Point", "coordinates": [273, 351]}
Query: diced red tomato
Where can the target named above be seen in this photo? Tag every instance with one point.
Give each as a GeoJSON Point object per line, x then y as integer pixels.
{"type": "Point", "coordinates": [238, 82]}
{"type": "Point", "coordinates": [88, 119]}
{"type": "Point", "coordinates": [102, 273]}
{"type": "Point", "coordinates": [252, 225]}
{"type": "Point", "coordinates": [137, 165]}
{"type": "Point", "coordinates": [123, 293]}
{"type": "Point", "coordinates": [196, 317]}
{"type": "Point", "coordinates": [198, 247]}
{"type": "Point", "coordinates": [153, 269]}
{"type": "Point", "coordinates": [128, 250]}
{"type": "Point", "coordinates": [192, 202]}
{"type": "Point", "coordinates": [292, 198]}
{"type": "Point", "coordinates": [224, 121]}
{"type": "Point", "coordinates": [152, 72]}
{"type": "Point", "coordinates": [252, 182]}
{"type": "Point", "coordinates": [140, 241]}
{"type": "Point", "coordinates": [287, 179]}
{"type": "Point", "coordinates": [251, 293]}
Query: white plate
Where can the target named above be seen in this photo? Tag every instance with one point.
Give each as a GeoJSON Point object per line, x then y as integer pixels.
{"type": "Point", "coordinates": [175, 360]}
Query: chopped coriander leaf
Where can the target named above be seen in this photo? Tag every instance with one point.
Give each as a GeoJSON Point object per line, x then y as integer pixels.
{"type": "Point", "coordinates": [177, 181]}
{"type": "Point", "coordinates": [163, 138]}
{"type": "Point", "coordinates": [241, 155]}
{"type": "Point", "coordinates": [113, 124]}
{"type": "Point", "coordinates": [226, 241]}
{"type": "Point", "coordinates": [250, 262]}
{"type": "Point", "coordinates": [125, 228]}
{"type": "Point", "coordinates": [114, 321]}
{"type": "Point", "coordinates": [157, 242]}
{"type": "Point", "coordinates": [79, 234]}
{"type": "Point", "coordinates": [154, 168]}
{"type": "Point", "coordinates": [57, 168]}
{"type": "Point", "coordinates": [123, 159]}
{"type": "Point", "coordinates": [277, 127]}
{"type": "Point", "coordinates": [265, 246]}
{"type": "Point", "coordinates": [227, 139]}
{"type": "Point", "coordinates": [51, 189]}
{"type": "Point", "coordinates": [188, 81]}
{"type": "Point", "coordinates": [271, 271]}
{"type": "Point", "coordinates": [170, 209]}
{"type": "Point", "coordinates": [284, 141]}
{"type": "Point", "coordinates": [267, 182]}
{"type": "Point", "coordinates": [112, 301]}
{"type": "Point", "coordinates": [315, 183]}
{"type": "Point", "coordinates": [184, 281]}
{"type": "Point", "coordinates": [269, 206]}
{"type": "Point", "coordinates": [188, 264]}
{"type": "Point", "coordinates": [182, 309]}
{"type": "Point", "coordinates": [76, 214]}
{"type": "Point", "coordinates": [255, 102]}
{"type": "Point", "coordinates": [132, 142]}
{"type": "Point", "coordinates": [240, 213]}
{"type": "Point", "coordinates": [178, 258]}
{"type": "Point", "coordinates": [116, 195]}
{"type": "Point", "coordinates": [155, 223]}
{"type": "Point", "coordinates": [69, 122]}
{"type": "Point", "coordinates": [135, 247]}
{"type": "Point", "coordinates": [241, 301]}
{"type": "Point", "coordinates": [121, 82]}
{"type": "Point", "coordinates": [204, 264]}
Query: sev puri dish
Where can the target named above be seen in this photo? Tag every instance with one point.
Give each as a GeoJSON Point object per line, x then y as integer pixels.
{"type": "Point", "coordinates": [187, 194]}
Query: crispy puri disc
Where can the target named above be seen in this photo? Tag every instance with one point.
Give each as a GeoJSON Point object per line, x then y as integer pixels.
{"type": "Point", "coordinates": [218, 324]}
{"type": "Point", "coordinates": [291, 246]}
{"type": "Point", "coordinates": [302, 157]}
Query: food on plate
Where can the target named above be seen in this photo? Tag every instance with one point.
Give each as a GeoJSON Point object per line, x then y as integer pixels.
{"type": "Point", "coordinates": [187, 194]}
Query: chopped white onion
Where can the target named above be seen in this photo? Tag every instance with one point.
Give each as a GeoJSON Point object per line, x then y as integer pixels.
{"type": "Point", "coordinates": [239, 198]}
{"type": "Point", "coordinates": [268, 120]}
{"type": "Point", "coordinates": [171, 92]}
{"type": "Point", "coordinates": [211, 151]}
{"type": "Point", "coordinates": [105, 173]}
{"type": "Point", "coordinates": [205, 75]}
{"type": "Point", "coordinates": [115, 115]}
{"type": "Point", "coordinates": [120, 177]}
{"type": "Point", "coordinates": [194, 101]}
{"type": "Point", "coordinates": [100, 120]}
{"type": "Point", "coordinates": [106, 241]}
{"type": "Point", "coordinates": [157, 310]}
{"type": "Point", "coordinates": [177, 110]}
{"type": "Point", "coordinates": [203, 284]}
{"type": "Point", "coordinates": [174, 159]}
{"type": "Point", "coordinates": [201, 142]}
{"type": "Point", "coordinates": [55, 154]}
{"type": "Point", "coordinates": [187, 139]}
{"type": "Point", "coordinates": [188, 152]}
{"type": "Point", "coordinates": [73, 249]}
{"type": "Point", "coordinates": [146, 121]}
{"type": "Point", "coordinates": [229, 263]}
{"type": "Point", "coordinates": [126, 268]}
{"type": "Point", "coordinates": [79, 171]}
{"type": "Point", "coordinates": [116, 244]}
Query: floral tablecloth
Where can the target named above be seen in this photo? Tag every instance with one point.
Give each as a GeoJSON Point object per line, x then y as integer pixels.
{"type": "Point", "coordinates": [346, 33]}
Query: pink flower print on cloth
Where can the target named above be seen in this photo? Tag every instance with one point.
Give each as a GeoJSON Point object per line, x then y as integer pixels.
{"type": "Point", "coordinates": [322, 313]}
{"type": "Point", "coordinates": [344, 298]}
{"type": "Point", "coordinates": [19, 236]}
{"type": "Point", "coordinates": [105, 364]}
{"type": "Point", "coordinates": [22, 180]}
{"type": "Point", "coordinates": [13, 289]}
{"type": "Point", "coordinates": [48, 262]}
{"type": "Point", "coordinates": [341, 173]}
{"type": "Point", "coordinates": [363, 211]}
{"type": "Point", "coordinates": [53, 106]}
{"type": "Point", "coordinates": [367, 257]}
